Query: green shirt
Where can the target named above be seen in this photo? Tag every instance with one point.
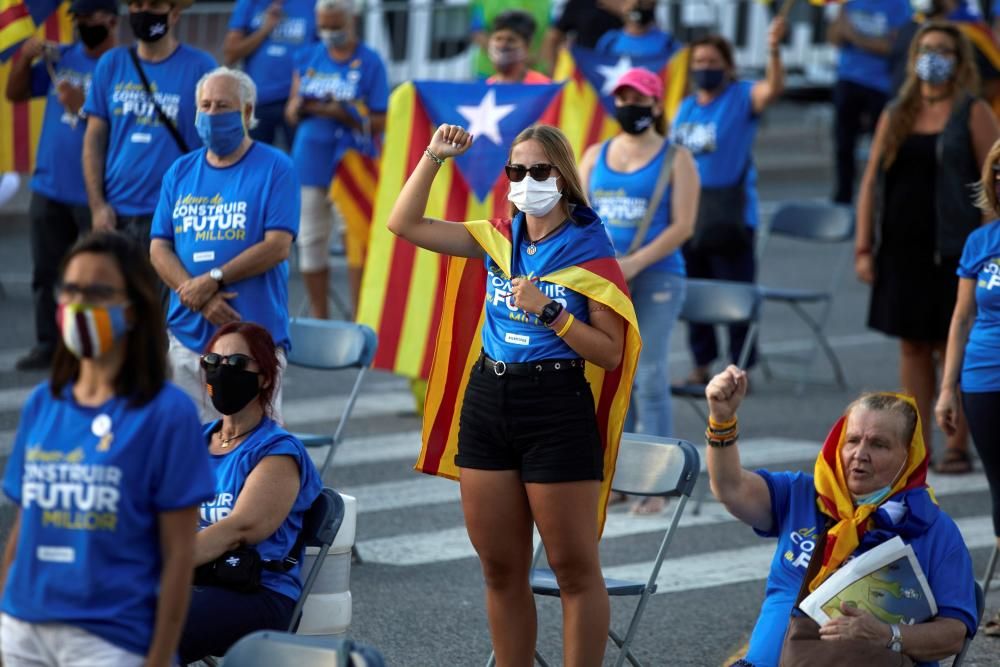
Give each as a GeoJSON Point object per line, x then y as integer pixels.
{"type": "Point", "coordinates": [483, 13]}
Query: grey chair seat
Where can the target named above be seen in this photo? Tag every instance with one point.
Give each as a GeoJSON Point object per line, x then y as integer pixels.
{"type": "Point", "coordinates": [543, 582]}
{"type": "Point", "coordinates": [314, 439]}
{"type": "Point", "coordinates": [793, 294]}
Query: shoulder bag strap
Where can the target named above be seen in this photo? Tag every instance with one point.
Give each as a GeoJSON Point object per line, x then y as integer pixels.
{"type": "Point", "coordinates": [654, 201]}
{"type": "Point", "coordinates": [164, 118]}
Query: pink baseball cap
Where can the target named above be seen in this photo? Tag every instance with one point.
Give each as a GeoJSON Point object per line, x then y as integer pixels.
{"type": "Point", "coordinates": [642, 80]}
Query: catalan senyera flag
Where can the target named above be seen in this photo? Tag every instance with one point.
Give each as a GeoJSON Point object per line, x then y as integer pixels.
{"type": "Point", "coordinates": [21, 123]}
{"type": "Point", "coordinates": [584, 109]}
{"type": "Point", "coordinates": [593, 271]}
{"type": "Point", "coordinates": [402, 289]}
{"type": "Point", "coordinates": [353, 190]}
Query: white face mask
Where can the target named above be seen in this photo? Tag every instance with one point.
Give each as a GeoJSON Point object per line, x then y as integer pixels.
{"type": "Point", "coordinates": [533, 197]}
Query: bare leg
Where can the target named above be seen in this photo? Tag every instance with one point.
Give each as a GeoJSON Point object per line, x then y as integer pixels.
{"type": "Point", "coordinates": [354, 274]}
{"type": "Point", "coordinates": [566, 515]}
{"type": "Point", "coordinates": [498, 519]}
{"type": "Point", "coordinates": [317, 283]}
{"type": "Point", "coordinates": [959, 440]}
{"type": "Point", "coordinates": [916, 374]}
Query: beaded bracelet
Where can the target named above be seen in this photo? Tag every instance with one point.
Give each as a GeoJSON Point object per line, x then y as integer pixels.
{"type": "Point", "coordinates": [435, 158]}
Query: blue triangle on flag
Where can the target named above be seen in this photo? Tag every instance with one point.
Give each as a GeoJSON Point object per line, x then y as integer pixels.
{"type": "Point", "coordinates": [602, 71]}
{"type": "Point", "coordinates": [495, 114]}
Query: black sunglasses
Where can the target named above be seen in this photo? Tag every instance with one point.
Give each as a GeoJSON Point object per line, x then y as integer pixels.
{"type": "Point", "coordinates": [211, 361]}
{"type": "Point", "coordinates": [539, 172]}
{"type": "Point", "coordinates": [96, 293]}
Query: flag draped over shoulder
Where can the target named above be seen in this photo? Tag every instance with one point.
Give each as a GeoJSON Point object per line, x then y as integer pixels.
{"type": "Point", "coordinates": [584, 109]}
{"type": "Point", "coordinates": [402, 292]}
{"type": "Point", "coordinates": [590, 270]}
{"type": "Point", "coordinates": [21, 123]}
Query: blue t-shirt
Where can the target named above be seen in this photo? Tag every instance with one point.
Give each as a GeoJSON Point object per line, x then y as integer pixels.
{"type": "Point", "coordinates": [653, 43]}
{"type": "Point", "coordinates": [981, 262]}
{"type": "Point", "coordinates": [874, 19]}
{"type": "Point", "coordinates": [231, 471]}
{"type": "Point", "coordinates": [621, 200]}
{"type": "Point", "coordinates": [272, 63]}
{"type": "Point", "coordinates": [91, 483]}
{"type": "Point", "coordinates": [360, 82]}
{"type": "Point", "coordinates": [720, 135]}
{"type": "Point", "coordinates": [213, 214]}
{"type": "Point", "coordinates": [140, 148]}
{"type": "Point", "coordinates": [796, 521]}
{"type": "Point", "coordinates": [509, 333]}
{"type": "Point", "coordinates": [58, 169]}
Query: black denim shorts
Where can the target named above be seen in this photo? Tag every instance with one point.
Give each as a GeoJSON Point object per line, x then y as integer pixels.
{"type": "Point", "coordinates": [542, 425]}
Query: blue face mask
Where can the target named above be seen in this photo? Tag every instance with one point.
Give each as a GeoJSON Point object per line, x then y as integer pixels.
{"type": "Point", "coordinates": [222, 133]}
{"type": "Point", "coordinates": [708, 79]}
{"type": "Point", "coordinates": [934, 68]}
{"type": "Point", "coordinates": [878, 495]}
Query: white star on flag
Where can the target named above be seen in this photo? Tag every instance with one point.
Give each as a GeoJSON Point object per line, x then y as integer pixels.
{"type": "Point", "coordinates": [611, 74]}
{"type": "Point", "coordinates": [484, 120]}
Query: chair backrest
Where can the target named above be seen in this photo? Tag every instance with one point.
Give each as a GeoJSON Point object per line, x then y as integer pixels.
{"type": "Point", "coordinates": [319, 529]}
{"type": "Point", "coordinates": [720, 302]}
{"type": "Point", "coordinates": [654, 466]}
{"type": "Point", "coordinates": [813, 221]}
{"type": "Point", "coordinates": [330, 344]}
{"type": "Point", "coordinates": [267, 648]}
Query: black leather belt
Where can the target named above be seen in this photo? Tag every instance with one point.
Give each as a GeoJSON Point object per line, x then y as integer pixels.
{"type": "Point", "coordinates": [530, 368]}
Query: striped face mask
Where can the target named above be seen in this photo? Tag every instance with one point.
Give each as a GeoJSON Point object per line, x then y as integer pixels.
{"type": "Point", "coordinates": [90, 331]}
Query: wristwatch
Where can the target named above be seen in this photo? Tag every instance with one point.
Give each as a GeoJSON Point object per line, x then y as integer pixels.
{"type": "Point", "coordinates": [550, 312]}
{"type": "Point", "coordinates": [896, 643]}
{"type": "Point", "coordinates": [216, 275]}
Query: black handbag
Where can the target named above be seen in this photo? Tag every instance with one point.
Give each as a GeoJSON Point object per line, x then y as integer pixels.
{"type": "Point", "coordinates": [241, 569]}
{"type": "Point", "coordinates": [721, 222]}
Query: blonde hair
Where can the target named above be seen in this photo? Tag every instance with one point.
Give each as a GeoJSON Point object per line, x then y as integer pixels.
{"type": "Point", "coordinates": [560, 154]}
{"type": "Point", "coordinates": [882, 401]}
{"type": "Point", "coordinates": [906, 106]}
{"type": "Point", "coordinates": [986, 193]}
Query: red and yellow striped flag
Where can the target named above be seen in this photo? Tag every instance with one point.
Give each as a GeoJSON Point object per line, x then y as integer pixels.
{"type": "Point", "coordinates": [458, 345]}
{"type": "Point", "coordinates": [353, 190]}
{"type": "Point", "coordinates": [21, 123]}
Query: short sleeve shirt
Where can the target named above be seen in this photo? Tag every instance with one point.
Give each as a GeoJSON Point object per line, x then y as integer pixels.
{"type": "Point", "coordinates": [91, 482]}
{"type": "Point", "coordinates": [211, 215]}
{"type": "Point", "coordinates": [981, 262]}
{"type": "Point", "coordinates": [875, 19]}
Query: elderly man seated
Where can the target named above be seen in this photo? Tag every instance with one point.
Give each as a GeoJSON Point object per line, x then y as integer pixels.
{"type": "Point", "coordinates": [869, 485]}
{"type": "Point", "coordinates": [222, 233]}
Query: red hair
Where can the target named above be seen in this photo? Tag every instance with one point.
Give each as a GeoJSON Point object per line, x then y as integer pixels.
{"type": "Point", "coordinates": [262, 350]}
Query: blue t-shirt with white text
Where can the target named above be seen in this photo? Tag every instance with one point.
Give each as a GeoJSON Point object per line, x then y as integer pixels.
{"type": "Point", "coordinates": [512, 335]}
{"type": "Point", "coordinates": [876, 19]}
{"type": "Point", "coordinates": [213, 214]}
{"type": "Point", "coordinates": [720, 136]}
{"type": "Point", "coordinates": [271, 64]}
{"type": "Point", "coordinates": [621, 200]}
{"type": "Point", "coordinates": [981, 262]}
{"type": "Point", "coordinates": [140, 147]}
{"type": "Point", "coordinates": [91, 483]}
{"type": "Point", "coordinates": [650, 44]}
{"type": "Point", "coordinates": [231, 471]}
{"type": "Point", "coordinates": [58, 167]}
{"type": "Point", "coordinates": [796, 522]}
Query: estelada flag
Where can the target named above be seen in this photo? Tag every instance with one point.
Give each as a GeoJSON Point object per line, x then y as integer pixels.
{"type": "Point", "coordinates": [584, 111]}
{"type": "Point", "coordinates": [401, 292]}
{"type": "Point", "coordinates": [589, 268]}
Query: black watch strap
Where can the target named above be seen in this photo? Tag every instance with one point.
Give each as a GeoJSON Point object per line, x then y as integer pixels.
{"type": "Point", "coordinates": [550, 312]}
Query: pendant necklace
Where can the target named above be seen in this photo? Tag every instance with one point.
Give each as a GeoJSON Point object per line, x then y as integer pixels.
{"type": "Point", "coordinates": [532, 247]}
{"type": "Point", "coordinates": [225, 442]}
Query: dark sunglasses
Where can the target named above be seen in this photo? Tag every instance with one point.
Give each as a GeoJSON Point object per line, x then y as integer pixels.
{"type": "Point", "coordinates": [96, 293]}
{"type": "Point", "coordinates": [539, 172]}
{"type": "Point", "coordinates": [211, 361]}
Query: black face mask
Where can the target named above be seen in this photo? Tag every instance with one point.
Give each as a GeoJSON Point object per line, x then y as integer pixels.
{"type": "Point", "coordinates": [149, 26]}
{"type": "Point", "coordinates": [92, 35]}
{"type": "Point", "coordinates": [642, 16]}
{"type": "Point", "coordinates": [634, 118]}
{"type": "Point", "coordinates": [231, 389]}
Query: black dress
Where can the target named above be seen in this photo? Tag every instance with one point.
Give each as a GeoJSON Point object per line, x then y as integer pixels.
{"type": "Point", "coordinates": [913, 295]}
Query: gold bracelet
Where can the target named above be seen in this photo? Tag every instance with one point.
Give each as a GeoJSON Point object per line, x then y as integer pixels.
{"type": "Point", "coordinates": [721, 426]}
{"type": "Point", "coordinates": [434, 158]}
{"type": "Point", "coordinates": [565, 327]}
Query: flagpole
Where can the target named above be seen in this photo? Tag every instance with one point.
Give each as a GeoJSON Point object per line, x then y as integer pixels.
{"type": "Point", "coordinates": [786, 8]}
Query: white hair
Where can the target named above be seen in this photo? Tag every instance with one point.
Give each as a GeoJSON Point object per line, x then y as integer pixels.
{"type": "Point", "coordinates": [348, 6]}
{"type": "Point", "coordinates": [246, 86]}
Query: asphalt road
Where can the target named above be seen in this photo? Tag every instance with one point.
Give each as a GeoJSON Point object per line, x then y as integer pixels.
{"type": "Point", "coordinates": [419, 596]}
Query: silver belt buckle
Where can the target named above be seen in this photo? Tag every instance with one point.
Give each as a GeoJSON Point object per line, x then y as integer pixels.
{"type": "Point", "coordinates": [499, 367]}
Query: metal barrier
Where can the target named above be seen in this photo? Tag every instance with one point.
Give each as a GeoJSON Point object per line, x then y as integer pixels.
{"type": "Point", "coordinates": [430, 39]}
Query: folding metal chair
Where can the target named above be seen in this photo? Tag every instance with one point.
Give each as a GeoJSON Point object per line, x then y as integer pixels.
{"type": "Point", "coordinates": [991, 566]}
{"type": "Point", "coordinates": [268, 648]}
{"type": "Point", "coordinates": [331, 345]}
{"type": "Point", "coordinates": [647, 466]}
{"type": "Point", "coordinates": [981, 606]}
{"type": "Point", "coordinates": [811, 223]}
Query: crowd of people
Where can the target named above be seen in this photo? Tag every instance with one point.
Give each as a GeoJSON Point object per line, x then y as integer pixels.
{"type": "Point", "coordinates": [170, 193]}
